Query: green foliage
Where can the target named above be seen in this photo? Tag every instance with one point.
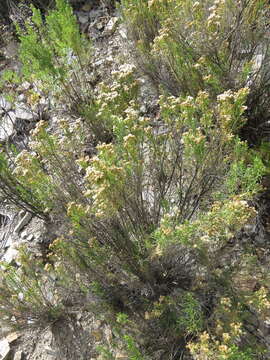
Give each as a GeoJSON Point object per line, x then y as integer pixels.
{"type": "Point", "coordinates": [144, 215]}
{"type": "Point", "coordinates": [122, 318]}
{"type": "Point", "coordinates": [123, 342]}
{"type": "Point", "coordinates": [189, 46]}
{"type": "Point", "coordinates": [264, 151]}
{"type": "Point", "coordinates": [223, 343]}
{"type": "Point", "coordinates": [105, 353]}
{"type": "Point", "coordinates": [132, 350]}
{"type": "Point", "coordinates": [237, 354]}
{"type": "Point", "coordinates": [55, 53]}
{"type": "Point", "coordinates": [107, 215]}
{"type": "Point", "coordinates": [190, 319]}
{"type": "Point", "coordinates": [178, 314]}
{"type": "Point", "coordinates": [250, 175]}
{"type": "Point", "coordinates": [17, 191]}
{"type": "Point", "coordinates": [29, 296]}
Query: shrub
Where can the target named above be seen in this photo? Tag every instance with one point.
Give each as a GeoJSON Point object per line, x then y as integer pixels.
{"type": "Point", "coordinates": [124, 341]}
{"type": "Point", "coordinates": [153, 191]}
{"type": "Point", "coordinates": [28, 295]}
{"type": "Point", "coordinates": [55, 53]}
{"type": "Point", "coordinates": [224, 341]}
{"type": "Point", "coordinates": [16, 191]}
{"type": "Point", "coordinates": [180, 312]}
{"type": "Point", "coordinates": [118, 204]}
{"type": "Point", "coordinates": [57, 59]}
{"type": "Point", "coordinates": [54, 56]}
{"type": "Point", "coordinates": [145, 215]}
{"type": "Point", "coordinates": [188, 46]}
{"type": "Point", "coordinates": [121, 224]}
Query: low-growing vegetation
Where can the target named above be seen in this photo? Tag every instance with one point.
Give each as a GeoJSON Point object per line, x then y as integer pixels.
{"type": "Point", "coordinates": [189, 46]}
{"type": "Point", "coordinates": [149, 217]}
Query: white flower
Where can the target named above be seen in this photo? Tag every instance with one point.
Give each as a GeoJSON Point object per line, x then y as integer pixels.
{"type": "Point", "coordinates": [226, 95]}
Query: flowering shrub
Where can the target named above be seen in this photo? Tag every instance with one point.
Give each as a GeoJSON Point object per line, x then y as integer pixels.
{"type": "Point", "coordinates": [15, 190]}
{"type": "Point", "coordinates": [151, 188]}
{"type": "Point", "coordinates": [29, 296]}
{"type": "Point", "coordinates": [224, 344]}
{"type": "Point", "coordinates": [146, 213]}
{"type": "Point", "coordinates": [189, 46]}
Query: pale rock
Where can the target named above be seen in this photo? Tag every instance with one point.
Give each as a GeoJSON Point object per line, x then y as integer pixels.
{"type": "Point", "coordinates": [7, 241]}
{"type": "Point", "coordinates": [37, 88]}
{"type": "Point", "coordinates": [24, 235]}
{"type": "Point", "coordinates": [123, 32]}
{"type": "Point", "coordinates": [93, 33]}
{"type": "Point", "coordinates": [4, 104]}
{"type": "Point", "coordinates": [121, 356]}
{"type": "Point", "coordinates": [38, 236]}
{"type": "Point", "coordinates": [94, 14]}
{"type": "Point", "coordinates": [267, 322]}
{"type": "Point", "coordinates": [109, 59]}
{"type": "Point", "coordinates": [127, 67]}
{"type": "Point", "coordinates": [143, 109]}
{"type": "Point", "coordinates": [30, 237]}
{"type": "Point", "coordinates": [98, 324]}
{"type": "Point", "coordinates": [50, 351]}
{"type": "Point", "coordinates": [24, 221]}
{"type": "Point", "coordinates": [10, 255]}
{"type": "Point", "coordinates": [21, 97]}
{"type": "Point", "coordinates": [4, 327]}
{"type": "Point", "coordinates": [108, 334]}
{"type": "Point", "coordinates": [142, 80]}
{"type": "Point", "coordinates": [22, 213]}
{"type": "Point", "coordinates": [111, 25]}
{"type": "Point", "coordinates": [18, 355]}
{"type": "Point", "coordinates": [26, 85]}
{"type": "Point", "coordinates": [29, 322]}
{"type": "Point", "coordinates": [99, 62]}
{"type": "Point", "coordinates": [249, 227]}
{"type": "Point", "coordinates": [12, 337]}
{"type": "Point", "coordinates": [4, 220]}
{"type": "Point", "coordinates": [24, 113]}
{"type": "Point", "coordinates": [7, 126]}
{"type": "Point", "coordinates": [44, 101]}
{"type": "Point", "coordinates": [4, 349]}
{"type": "Point", "coordinates": [11, 49]}
{"type": "Point", "coordinates": [257, 62]}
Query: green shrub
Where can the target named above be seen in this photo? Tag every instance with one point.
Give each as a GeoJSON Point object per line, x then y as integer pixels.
{"type": "Point", "coordinates": [123, 342]}
{"type": "Point", "coordinates": [224, 341]}
{"type": "Point", "coordinates": [118, 208]}
{"type": "Point", "coordinates": [16, 191]}
{"type": "Point", "coordinates": [55, 55]}
{"type": "Point", "coordinates": [179, 313]}
{"type": "Point", "coordinates": [188, 46]}
{"type": "Point", "coordinates": [146, 213]}
{"type": "Point", "coordinates": [150, 192]}
{"type": "Point", "coordinates": [28, 296]}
